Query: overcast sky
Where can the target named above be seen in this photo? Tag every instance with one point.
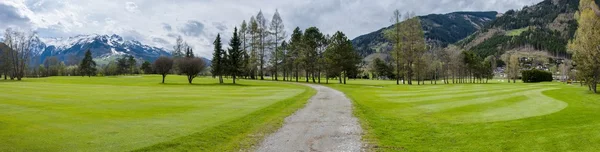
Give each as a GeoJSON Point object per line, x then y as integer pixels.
{"type": "Point", "coordinates": [157, 22]}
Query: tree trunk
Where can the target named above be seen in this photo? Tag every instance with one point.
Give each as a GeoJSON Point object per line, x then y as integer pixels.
{"type": "Point", "coordinates": [163, 78]}
{"type": "Point", "coordinates": [297, 73]}
{"type": "Point", "coordinates": [326, 78]}
{"type": "Point", "coordinates": [345, 76]}
{"type": "Point", "coordinates": [233, 78]}
{"type": "Point", "coordinates": [319, 77]}
{"type": "Point", "coordinates": [307, 75]}
{"type": "Point", "coordinates": [313, 77]}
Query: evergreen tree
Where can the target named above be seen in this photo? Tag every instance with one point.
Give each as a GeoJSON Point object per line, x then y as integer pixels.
{"type": "Point", "coordinates": [132, 65]}
{"type": "Point", "coordinates": [311, 39]}
{"type": "Point", "coordinates": [235, 56]}
{"type": "Point", "coordinates": [123, 65]}
{"type": "Point", "coordinates": [218, 60]}
{"type": "Point", "coordinates": [87, 66]}
{"type": "Point", "coordinates": [189, 53]}
{"type": "Point", "coordinates": [341, 58]}
{"type": "Point", "coordinates": [295, 47]}
{"type": "Point", "coordinates": [146, 67]}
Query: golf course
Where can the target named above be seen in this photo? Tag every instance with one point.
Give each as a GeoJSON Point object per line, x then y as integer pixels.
{"type": "Point", "coordinates": [137, 113]}
{"type": "Point", "coordinates": [300, 76]}
{"type": "Point", "coordinates": [477, 117]}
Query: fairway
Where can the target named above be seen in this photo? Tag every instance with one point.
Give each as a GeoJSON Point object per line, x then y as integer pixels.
{"type": "Point", "coordinates": [476, 117]}
{"type": "Point", "coordinates": [137, 113]}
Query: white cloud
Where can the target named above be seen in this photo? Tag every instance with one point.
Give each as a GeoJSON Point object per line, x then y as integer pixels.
{"type": "Point", "coordinates": [156, 22]}
{"type": "Point", "coordinates": [131, 7]}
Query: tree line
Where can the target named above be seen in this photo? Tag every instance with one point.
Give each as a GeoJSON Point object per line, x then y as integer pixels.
{"type": "Point", "coordinates": [15, 56]}
{"type": "Point", "coordinates": [257, 51]}
{"type": "Point", "coordinates": [412, 59]}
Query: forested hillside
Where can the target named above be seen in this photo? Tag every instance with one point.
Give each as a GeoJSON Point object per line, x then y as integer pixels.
{"type": "Point", "coordinates": [439, 28]}
{"type": "Point", "coordinates": [547, 26]}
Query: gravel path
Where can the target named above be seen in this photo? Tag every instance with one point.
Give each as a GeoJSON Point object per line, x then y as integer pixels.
{"type": "Point", "coordinates": [325, 124]}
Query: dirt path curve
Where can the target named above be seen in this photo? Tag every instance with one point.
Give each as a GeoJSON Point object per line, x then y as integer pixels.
{"type": "Point", "coordinates": [325, 124]}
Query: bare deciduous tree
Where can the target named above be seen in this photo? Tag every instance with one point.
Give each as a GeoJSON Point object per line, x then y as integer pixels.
{"type": "Point", "coordinates": [163, 66]}
{"type": "Point", "coordinates": [20, 51]}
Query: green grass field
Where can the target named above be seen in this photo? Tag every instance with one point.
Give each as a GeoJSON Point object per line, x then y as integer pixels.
{"type": "Point", "coordinates": [476, 117]}
{"type": "Point", "coordinates": [137, 113]}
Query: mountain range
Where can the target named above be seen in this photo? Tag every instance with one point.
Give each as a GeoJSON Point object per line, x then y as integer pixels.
{"type": "Point", "coordinates": [442, 29]}
{"type": "Point", "coordinates": [546, 26]}
{"type": "Point", "coordinates": [103, 47]}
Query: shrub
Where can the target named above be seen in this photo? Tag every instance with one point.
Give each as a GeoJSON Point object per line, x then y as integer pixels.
{"type": "Point", "coordinates": [532, 76]}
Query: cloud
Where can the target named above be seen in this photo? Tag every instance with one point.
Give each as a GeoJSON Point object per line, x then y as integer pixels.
{"type": "Point", "coordinates": [199, 21]}
{"type": "Point", "coordinates": [133, 35]}
{"type": "Point", "coordinates": [192, 29]}
{"type": "Point", "coordinates": [220, 26]}
{"type": "Point", "coordinates": [10, 16]}
{"type": "Point", "coordinates": [167, 27]}
{"type": "Point", "coordinates": [160, 40]}
{"type": "Point", "coordinates": [131, 7]}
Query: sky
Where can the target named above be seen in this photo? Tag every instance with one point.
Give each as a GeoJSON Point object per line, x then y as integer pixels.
{"type": "Point", "coordinates": [159, 22]}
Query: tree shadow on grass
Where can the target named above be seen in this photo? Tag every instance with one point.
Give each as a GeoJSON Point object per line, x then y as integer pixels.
{"type": "Point", "coordinates": [204, 84]}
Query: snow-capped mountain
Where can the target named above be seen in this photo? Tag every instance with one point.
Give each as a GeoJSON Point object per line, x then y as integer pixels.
{"type": "Point", "coordinates": [103, 47]}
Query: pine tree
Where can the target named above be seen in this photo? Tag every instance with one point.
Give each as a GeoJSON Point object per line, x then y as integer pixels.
{"type": "Point", "coordinates": [311, 39]}
{"type": "Point", "coordinates": [235, 56]}
{"type": "Point", "coordinates": [218, 61]}
{"type": "Point", "coordinates": [295, 47]}
{"type": "Point", "coordinates": [341, 57]}
{"type": "Point", "coordinates": [132, 65]}
{"type": "Point", "coordinates": [87, 66]}
{"type": "Point", "coordinates": [146, 67]}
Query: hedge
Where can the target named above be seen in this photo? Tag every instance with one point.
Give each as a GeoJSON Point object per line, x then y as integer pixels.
{"type": "Point", "coordinates": [532, 76]}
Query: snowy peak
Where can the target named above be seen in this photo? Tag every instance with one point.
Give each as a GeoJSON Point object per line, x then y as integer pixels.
{"type": "Point", "coordinates": [103, 47]}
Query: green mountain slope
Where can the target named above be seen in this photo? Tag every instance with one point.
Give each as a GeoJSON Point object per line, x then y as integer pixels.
{"type": "Point", "coordinates": [546, 26]}
{"type": "Point", "coordinates": [439, 28]}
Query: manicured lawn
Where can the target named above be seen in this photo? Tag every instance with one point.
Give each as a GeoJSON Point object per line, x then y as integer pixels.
{"type": "Point", "coordinates": [137, 113]}
{"type": "Point", "coordinates": [476, 117]}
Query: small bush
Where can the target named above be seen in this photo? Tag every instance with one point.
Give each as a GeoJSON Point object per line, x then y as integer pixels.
{"type": "Point", "coordinates": [532, 76]}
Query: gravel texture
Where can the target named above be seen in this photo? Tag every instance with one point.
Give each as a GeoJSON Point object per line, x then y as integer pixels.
{"type": "Point", "coordinates": [325, 124]}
